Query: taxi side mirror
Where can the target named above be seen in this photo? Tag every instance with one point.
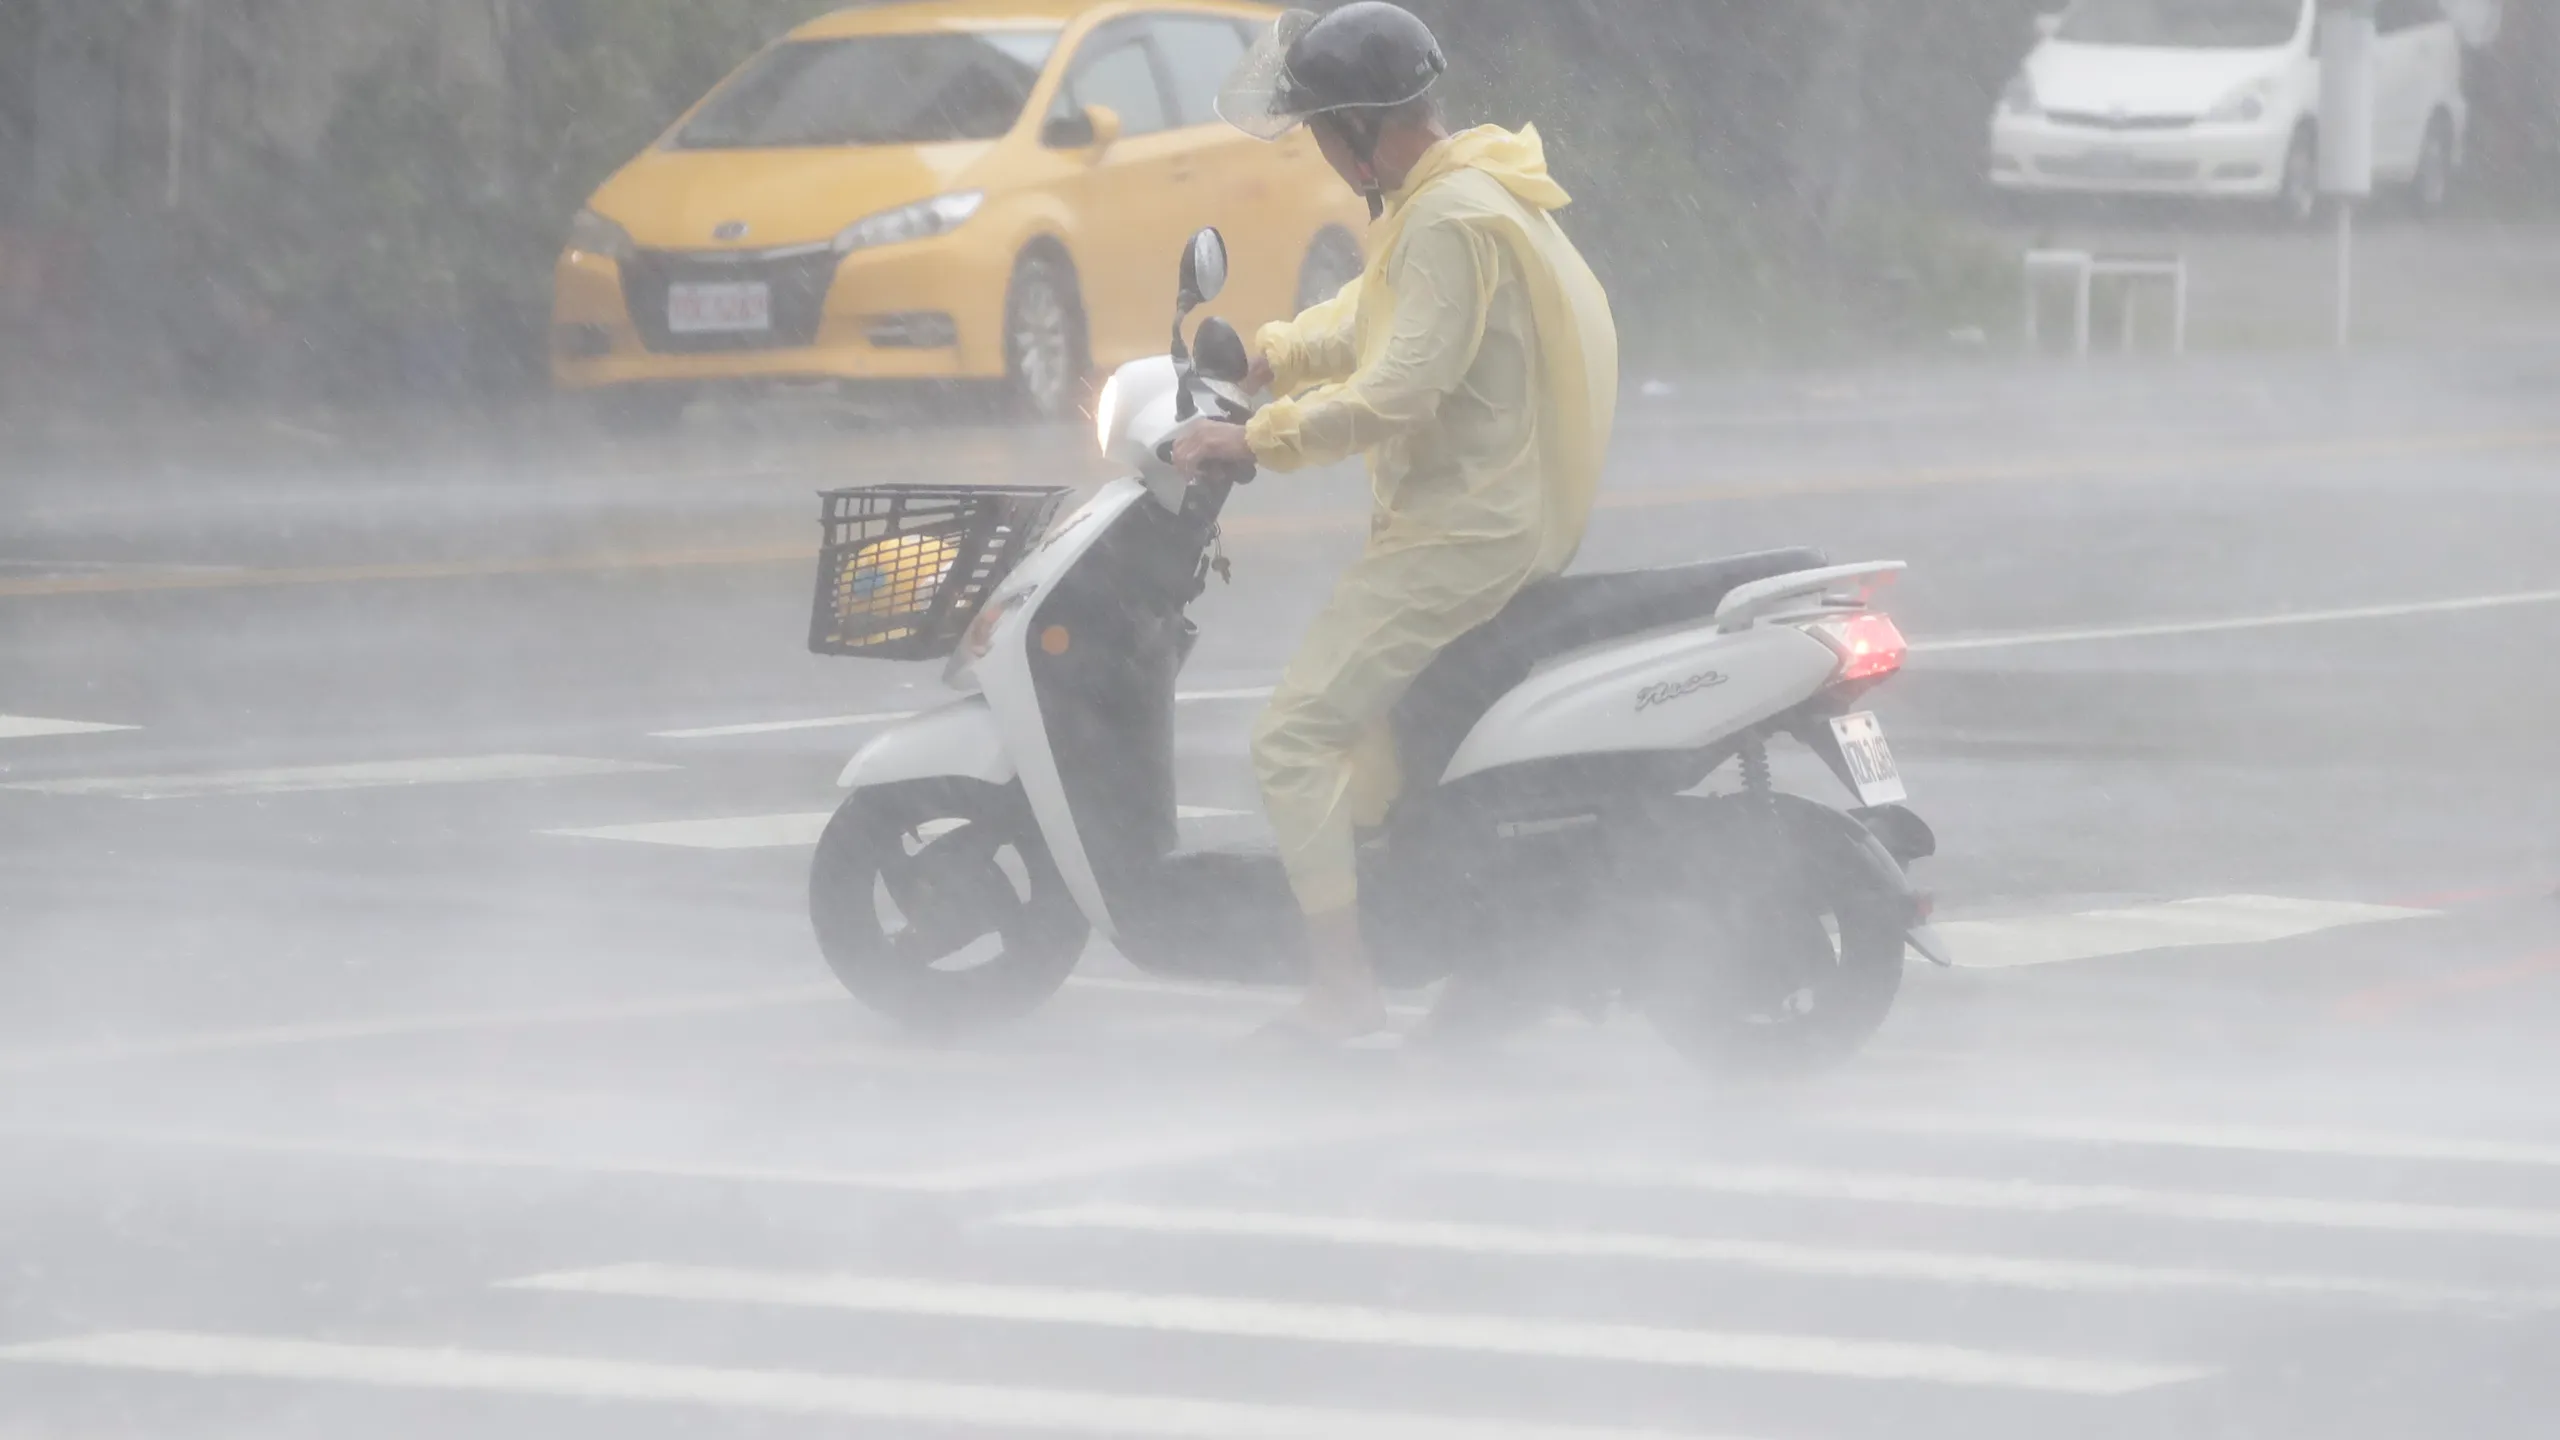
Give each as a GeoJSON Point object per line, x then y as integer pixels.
{"type": "Point", "coordinates": [1095, 128]}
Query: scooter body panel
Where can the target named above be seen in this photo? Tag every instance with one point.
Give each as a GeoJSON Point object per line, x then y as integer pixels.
{"type": "Point", "coordinates": [961, 741]}
{"type": "Point", "coordinates": [1681, 690]}
{"type": "Point", "coordinates": [1012, 691]}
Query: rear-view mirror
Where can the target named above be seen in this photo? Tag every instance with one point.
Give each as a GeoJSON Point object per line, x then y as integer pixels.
{"type": "Point", "coordinates": [1095, 128]}
{"type": "Point", "coordinates": [1219, 352]}
{"type": "Point", "coordinates": [2049, 25]}
{"type": "Point", "coordinates": [1204, 268]}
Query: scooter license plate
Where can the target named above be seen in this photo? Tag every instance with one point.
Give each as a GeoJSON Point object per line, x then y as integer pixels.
{"type": "Point", "coordinates": [1871, 766]}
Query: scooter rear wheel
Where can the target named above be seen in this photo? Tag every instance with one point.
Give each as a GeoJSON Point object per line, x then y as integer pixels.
{"type": "Point", "coordinates": [938, 905]}
{"type": "Point", "coordinates": [1779, 968]}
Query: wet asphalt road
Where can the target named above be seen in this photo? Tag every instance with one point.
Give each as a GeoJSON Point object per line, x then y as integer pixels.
{"type": "Point", "coordinates": [395, 1111]}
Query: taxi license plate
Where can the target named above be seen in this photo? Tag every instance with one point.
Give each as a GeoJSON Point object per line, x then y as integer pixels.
{"type": "Point", "coordinates": [1871, 766]}
{"type": "Point", "coordinates": [733, 308]}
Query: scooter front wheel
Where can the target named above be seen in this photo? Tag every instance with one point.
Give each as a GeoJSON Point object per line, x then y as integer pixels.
{"type": "Point", "coordinates": [938, 905]}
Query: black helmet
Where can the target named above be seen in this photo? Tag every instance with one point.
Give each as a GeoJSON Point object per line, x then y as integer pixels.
{"type": "Point", "coordinates": [1364, 57]}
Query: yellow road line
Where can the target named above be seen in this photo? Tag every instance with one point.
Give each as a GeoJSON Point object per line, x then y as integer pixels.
{"type": "Point", "coordinates": [2131, 461]}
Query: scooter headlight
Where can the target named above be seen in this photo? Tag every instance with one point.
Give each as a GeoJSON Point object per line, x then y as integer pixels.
{"type": "Point", "coordinates": [1106, 414]}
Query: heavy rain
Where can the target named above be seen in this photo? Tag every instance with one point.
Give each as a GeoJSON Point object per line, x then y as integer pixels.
{"type": "Point", "coordinates": [1508, 720]}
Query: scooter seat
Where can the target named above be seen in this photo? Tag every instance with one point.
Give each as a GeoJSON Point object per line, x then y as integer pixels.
{"type": "Point", "coordinates": [1556, 617]}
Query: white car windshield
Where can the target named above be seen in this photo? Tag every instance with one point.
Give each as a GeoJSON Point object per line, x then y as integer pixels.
{"type": "Point", "coordinates": [876, 90]}
{"type": "Point", "coordinates": [2184, 24]}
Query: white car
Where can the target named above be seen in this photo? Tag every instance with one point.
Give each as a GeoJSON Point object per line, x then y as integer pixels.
{"type": "Point", "coordinates": [2221, 98]}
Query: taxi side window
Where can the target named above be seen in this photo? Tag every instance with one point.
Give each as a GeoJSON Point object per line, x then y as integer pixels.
{"type": "Point", "coordinates": [1200, 52]}
{"type": "Point", "coordinates": [1116, 70]}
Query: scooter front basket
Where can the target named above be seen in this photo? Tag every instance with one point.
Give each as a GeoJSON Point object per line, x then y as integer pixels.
{"type": "Point", "coordinates": [907, 568]}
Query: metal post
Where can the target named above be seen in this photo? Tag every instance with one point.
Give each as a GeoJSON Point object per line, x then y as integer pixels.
{"type": "Point", "coordinates": [2178, 335]}
{"type": "Point", "coordinates": [2087, 299]}
{"type": "Point", "coordinates": [182, 17]}
{"type": "Point", "coordinates": [2346, 272]}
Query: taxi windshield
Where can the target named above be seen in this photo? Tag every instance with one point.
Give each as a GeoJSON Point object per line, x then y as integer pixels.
{"type": "Point", "coordinates": [2184, 24]}
{"type": "Point", "coordinates": [875, 90]}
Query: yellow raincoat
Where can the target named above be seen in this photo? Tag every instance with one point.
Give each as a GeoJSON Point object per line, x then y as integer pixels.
{"type": "Point", "coordinates": [1476, 364]}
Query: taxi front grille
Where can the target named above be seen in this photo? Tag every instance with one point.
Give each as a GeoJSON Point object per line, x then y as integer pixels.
{"type": "Point", "coordinates": [799, 284]}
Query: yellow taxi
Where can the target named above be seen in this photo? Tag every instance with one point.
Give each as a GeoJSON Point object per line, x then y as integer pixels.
{"type": "Point", "coordinates": [945, 190]}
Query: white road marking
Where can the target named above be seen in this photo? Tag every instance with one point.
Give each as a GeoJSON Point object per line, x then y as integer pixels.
{"type": "Point", "coordinates": [785, 727]}
{"type": "Point", "coordinates": [892, 717]}
{"type": "Point", "coordinates": [902, 1404]}
{"type": "Point", "coordinates": [2172, 629]}
{"type": "Point", "coordinates": [2026, 1197]}
{"type": "Point", "coordinates": [1364, 1325]}
{"type": "Point", "coordinates": [1861, 1263]}
{"type": "Point", "coordinates": [773, 832]}
{"type": "Point", "coordinates": [2349, 1144]}
{"type": "Point", "coordinates": [2019, 640]}
{"type": "Point", "coordinates": [671, 1007]}
{"type": "Point", "coordinates": [1157, 1152]}
{"type": "Point", "coordinates": [1260, 996]}
{"type": "Point", "coordinates": [744, 832]}
{"type": "Point", "coordinates": [335, 1032]}
{"type": "Point", "coordinates": [2180, 924]}
{"type": "Point", "coordinates": [377, 775]}
{"type": "Point", "coordinates": [33, 727]}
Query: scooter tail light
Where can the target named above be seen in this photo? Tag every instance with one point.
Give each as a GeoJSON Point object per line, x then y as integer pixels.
{"type": "Point", "coordinates": [1871, 646]}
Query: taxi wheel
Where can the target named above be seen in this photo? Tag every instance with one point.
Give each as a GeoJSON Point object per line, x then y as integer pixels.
{"type": "Point", "coordinates": [1046, 353]}
{"type": "Point", "coordinates": [2430, 191]}
{"type": "Point", "coordinates": [1332, 263]}
{"type": "Point", "coordinates": [2298, 194]}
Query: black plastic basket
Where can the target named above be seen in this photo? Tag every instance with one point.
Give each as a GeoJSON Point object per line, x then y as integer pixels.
{"type": "Point", "coordinates": [907, 568]}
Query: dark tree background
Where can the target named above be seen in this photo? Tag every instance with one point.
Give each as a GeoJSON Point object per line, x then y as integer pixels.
{"type": "Point", "coordinates": [1755, 178]}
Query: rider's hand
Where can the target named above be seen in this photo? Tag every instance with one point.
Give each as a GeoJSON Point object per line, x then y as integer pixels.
{"type": "Point", "coordinates": [1210, 442]}
{"type": "Point", "coordinates": [1259, 378]}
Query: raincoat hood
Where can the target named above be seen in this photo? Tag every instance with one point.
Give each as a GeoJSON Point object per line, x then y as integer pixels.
{"type": "Point", "coordinates": [1517, 159]}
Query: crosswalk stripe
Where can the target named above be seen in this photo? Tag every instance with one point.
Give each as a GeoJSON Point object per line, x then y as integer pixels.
{"type": "Point", "coordinates": [845, 1397]}
{"type": "Point", "coordinates": [2347, 1144]}
{"type": "Point", "coordinates": [2094, 934]}
{"type": "Point", "coordinates": [1361, 1325]}
{"type": "Point", "coordinates": [1860, 1263]}
{"type": "Point", "coordinates": [2015, 1196]}
{"type": "Point", "coordinates": [36, 727]}
{"type": "Point", "coordinates": [774, 832]}
{"type": "Point", "coordinates": [1165, 1150]}
{"type": "Point", "coordinates": [337, 1032]}
{"type": "Point", "coordinates": [377, 775]}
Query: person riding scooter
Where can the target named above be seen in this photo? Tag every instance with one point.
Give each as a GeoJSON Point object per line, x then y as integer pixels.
{"type": "Point", "coordinates": [1475, 364]}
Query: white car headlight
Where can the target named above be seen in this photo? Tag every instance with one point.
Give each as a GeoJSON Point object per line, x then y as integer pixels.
{"type": "Point", "coordinates": [2244, 106]}
{"type": "Point", "coordinates": [593, 234]}
{"type": "Point", "coordinates": [1106, 414]}
{"type": "Point", "coordinates": [2020, 97]}
{"type": "Point", "coordinates": [921, 221]}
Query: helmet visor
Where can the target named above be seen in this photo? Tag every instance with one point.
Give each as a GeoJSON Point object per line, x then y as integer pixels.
{"type": "Point", "coordinates": [1261, 99]}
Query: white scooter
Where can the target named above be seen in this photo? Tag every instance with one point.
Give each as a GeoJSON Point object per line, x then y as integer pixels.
{"type": "Point", "coordinates": [1556, 834]}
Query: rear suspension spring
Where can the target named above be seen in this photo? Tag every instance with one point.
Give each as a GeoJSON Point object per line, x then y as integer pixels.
{"type": "Point", "coordinates": [1756, 780]}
